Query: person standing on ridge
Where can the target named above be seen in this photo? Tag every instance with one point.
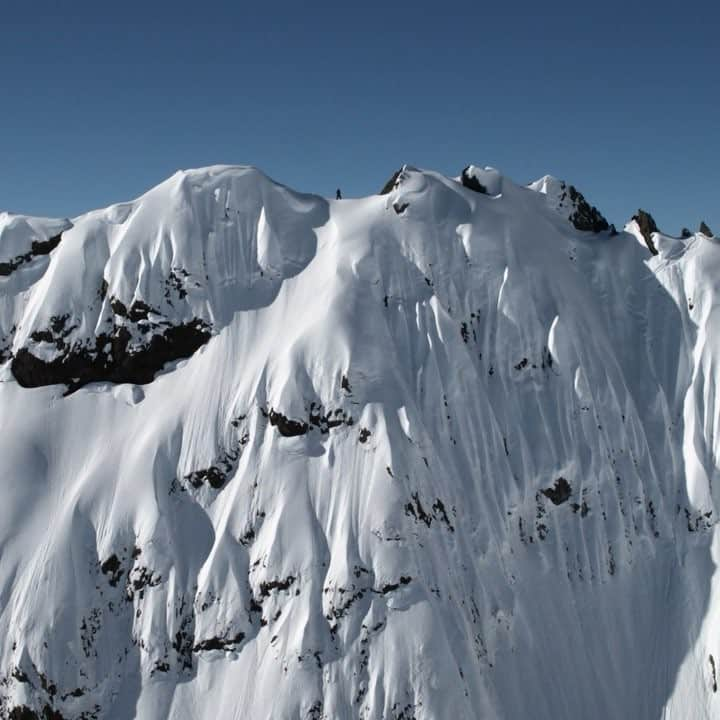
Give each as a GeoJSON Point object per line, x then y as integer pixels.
{"type": "Point", "coordinates": [338, 194]}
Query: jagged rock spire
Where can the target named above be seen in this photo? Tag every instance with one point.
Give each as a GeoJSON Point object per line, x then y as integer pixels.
{"type": "Point", "coordinates": [647, 225]}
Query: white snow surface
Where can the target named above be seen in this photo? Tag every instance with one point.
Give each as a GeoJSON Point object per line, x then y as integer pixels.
{"type": "Point", "coordinates": [499, 498]}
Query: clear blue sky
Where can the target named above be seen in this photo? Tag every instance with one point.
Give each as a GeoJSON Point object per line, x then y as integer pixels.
{"type": "Point", "coordinates": [100, 101]}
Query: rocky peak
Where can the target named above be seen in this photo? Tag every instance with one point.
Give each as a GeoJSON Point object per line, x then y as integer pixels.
{"type": "Point", "coordinates": [392, 183]}
{"type": "Point", "coordinates": [647, 226]}
{"type": "Point", "coordinates": [571, 203]}
{"type": "Point", "coordinates": [705, 230]}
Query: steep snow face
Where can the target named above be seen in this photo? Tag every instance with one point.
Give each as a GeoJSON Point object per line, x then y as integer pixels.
{"type": "Point", "coordinates": [25, 247]}
{"type": "Point", "coordinates": [430, 454]}
{"type": "Point", "coordinates": [139, 285]}
{"type": "Point", "coordinates": [21, 237]}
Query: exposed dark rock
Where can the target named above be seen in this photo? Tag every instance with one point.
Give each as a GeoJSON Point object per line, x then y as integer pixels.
{"type": "Point", "coordinates": [213, 476]}
{"type": "Point", "coordinates": [183, 642]}
{"type": "Point", "coordinates": [559, 493]}
{"type": "Point", "coordinates": [37, 248]}
{"type": "Point", "coordinates": [20, 675]}
{"type": "Point", "coordinates": [138, 579]}
{"type": "Point", "coordinates": [339, 611]}
{"type": "Point", "coordinates": [45, 247]}
{"type": "Point", "coordinates": [176, 282]}
{"type": "Point", "coordinates": [255, 606]}
{"type": "Point", "coordinates": [23, 712]}
{"type": "Point", "coordinates": [416, 510]}
{"type": "Point", "coordinates": [235, 422]}
{"type": "Point", "coordinates": [219, 643]}
{"type": "Point", "coordinates": [118, 307]}
{"type": "Point", "coordinates": [647, 226]}
{"type": "Point", "coordinates": [49, 687]}
{"type": "Point", "coordinates": [404, 713]}
{"type": "Point", "coordinates": [685, 233]}
{"type": "Point", "coordinates": [113, 569]}
{"type": "Point", "coordinates": [472, 183]}
{"type": "Point", "coordinates": [139, 311]}
{"type": "Point", "coordinates": [351, 595]}
{"type": "Point", "coordinates": [56, 333]}
{"type": "Point", "coordinates": [400, 208]}
{"type": "Point", "coordinates": [110, 359]}
{"type": "Point", "coordinates": [701, 521]}
{"type": "Point", "coordinates": [76, 693]}
{"type": "Point", "coordinates": [6, 345]}
{"type": "Point", "coordinates": [329, 420]}
{"type": "Point", "coordinates": [439, 511]}
{"type": "Point", "coordinates": [217, 475]}
{"type": "Point", "coordinates": [267, 587]}
{"type": "Point", "coordinates": [390, 185]}
{"type": "Point", "coordinates": [287, 427]}
{"type": "Point", "coordinates": [584, 508]}
{"type": "Point", "coordinates": [391, 587]}
{"type": "Point", "coordinates": [247, 537]}
{"type": "Point", "coordinates": [584, 217]}
{"type": "Point", "coordinates": [705, 230]}
{"type": "Point", "coordinates": [364, 435]}
{"type": "Point", "coordinates": [317, 418]}
{"type": "Point", "coordinates": [315, 712]}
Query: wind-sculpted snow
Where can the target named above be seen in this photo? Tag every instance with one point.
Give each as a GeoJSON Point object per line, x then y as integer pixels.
{"type": "Point", "coordinates": [143, 284]}
{"type": "Point", "coordinates": [433, 453]}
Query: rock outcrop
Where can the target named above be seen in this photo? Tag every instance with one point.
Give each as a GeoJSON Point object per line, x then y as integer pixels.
{"type": "Point", "coordinates": [647, 226]}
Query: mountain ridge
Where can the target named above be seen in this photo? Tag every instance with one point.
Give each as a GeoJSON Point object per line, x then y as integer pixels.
{"type": "Point", "coordinates": [439, 453]}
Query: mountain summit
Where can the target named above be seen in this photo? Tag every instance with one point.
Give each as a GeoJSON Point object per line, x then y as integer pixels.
{"type": "Point", "coordinates": [444, 452]}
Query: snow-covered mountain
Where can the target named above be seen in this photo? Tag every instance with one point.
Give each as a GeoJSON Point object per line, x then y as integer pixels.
{"type": "Point", "coordinates": [449, 451]}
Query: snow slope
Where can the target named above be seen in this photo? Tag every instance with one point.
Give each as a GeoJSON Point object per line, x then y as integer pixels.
{"type": "Point", "coordinates": [428, 454]}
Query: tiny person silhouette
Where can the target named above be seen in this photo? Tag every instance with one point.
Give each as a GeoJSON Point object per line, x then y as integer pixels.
{"type": "Point", "coordinates": [338, 194]}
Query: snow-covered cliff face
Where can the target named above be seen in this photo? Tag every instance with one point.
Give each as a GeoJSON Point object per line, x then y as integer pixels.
{"type": "Point", "coordinates": [430, 454]}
